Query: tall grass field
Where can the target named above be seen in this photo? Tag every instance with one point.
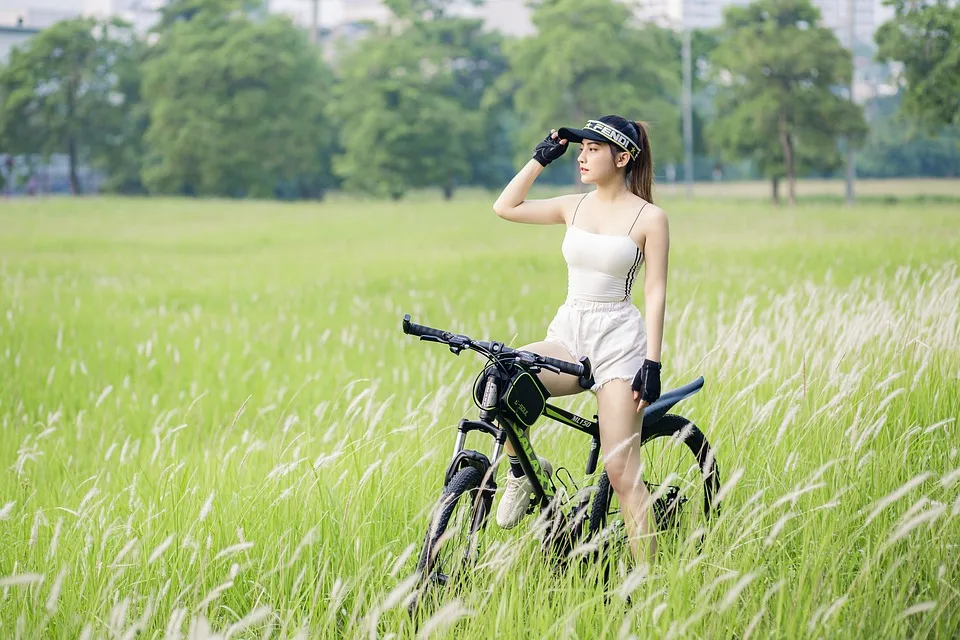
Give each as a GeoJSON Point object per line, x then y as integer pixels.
{"type": "Point", "coordinates": [212, 425]}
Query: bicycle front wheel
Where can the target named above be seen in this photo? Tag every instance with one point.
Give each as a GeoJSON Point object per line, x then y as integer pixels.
{"type": "Point", "coordinates": [450, 544]}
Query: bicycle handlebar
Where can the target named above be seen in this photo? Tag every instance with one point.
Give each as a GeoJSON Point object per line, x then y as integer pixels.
{"type": "Point", "coordinates": [413, 329]}
{"type": "Point", "coordinates": [581, 370]}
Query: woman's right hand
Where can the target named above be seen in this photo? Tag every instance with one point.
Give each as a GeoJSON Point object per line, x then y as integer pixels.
{"type": "Point", "coordinates": [550, 149]}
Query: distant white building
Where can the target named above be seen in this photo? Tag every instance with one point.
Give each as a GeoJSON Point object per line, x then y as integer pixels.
{"type": "Point", "coordinates": [834, 14]}
{"type": "Point", "coordinates": [40, 14]}
{"type": "Point", "coordinates": [37, 14]}
{"type": "Point", "coordinates": [329, 12]}
{"type": "Point", "coordinates": [19, 19]}
{"type": "Point", "coordinates": [511, 17]}
{"type": "Point", "coordinates": [685, 14]}
{"type": "Point", "coordinates": [705, 14]}
{"type": "Point", "coordinates": [11, 37]}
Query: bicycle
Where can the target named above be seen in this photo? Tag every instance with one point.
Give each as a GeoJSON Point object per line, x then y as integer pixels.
{"type": "Point", "coordinates": [511, 399]}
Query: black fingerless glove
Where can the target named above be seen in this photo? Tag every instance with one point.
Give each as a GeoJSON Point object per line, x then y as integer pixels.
{"type": "Point", "coordinates": [549, 150]}
{"type": "Point", "coordinates": [647, 381]}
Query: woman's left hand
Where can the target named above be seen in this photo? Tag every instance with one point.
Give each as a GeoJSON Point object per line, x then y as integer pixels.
{"type": "Point", "coordinates": [647, 383]}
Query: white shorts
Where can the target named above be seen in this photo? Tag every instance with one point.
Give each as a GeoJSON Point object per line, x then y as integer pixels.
{"type": "Point", "coordinates": [612, 334]}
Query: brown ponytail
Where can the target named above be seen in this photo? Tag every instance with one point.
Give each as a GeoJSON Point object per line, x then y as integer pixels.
{"type": "Point", "coordinates": [641, 170]}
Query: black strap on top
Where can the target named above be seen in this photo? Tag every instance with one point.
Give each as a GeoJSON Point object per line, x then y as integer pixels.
{"type": "Point", "coordinates": [638, 216]}
{"type": "Point", "coordinates": [578, 208]}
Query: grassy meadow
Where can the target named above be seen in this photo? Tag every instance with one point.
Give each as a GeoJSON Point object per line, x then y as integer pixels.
{"type": "Point", "coordinates": [212, 424]}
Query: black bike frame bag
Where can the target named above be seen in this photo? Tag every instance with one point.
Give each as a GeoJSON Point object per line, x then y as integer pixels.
{"type": "Point", "coordinates": [525, 398]}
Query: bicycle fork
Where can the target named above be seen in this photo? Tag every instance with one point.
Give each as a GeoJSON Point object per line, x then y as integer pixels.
{"type": "Point", "coordinates": [544, 488]}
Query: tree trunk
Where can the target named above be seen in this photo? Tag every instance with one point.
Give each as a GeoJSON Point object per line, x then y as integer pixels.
{"type": "Point", "coordinates": [72, 155]}
{"type": "Point", "coordinates": [787, 147]}
{"type": "Point", "coordinates": [775, 184]}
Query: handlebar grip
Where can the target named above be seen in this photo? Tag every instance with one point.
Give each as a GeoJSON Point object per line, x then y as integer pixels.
{"type": "Point", "coordinates": [576, 370]}
{"type": "Point", "coordinates": [587, 368]}
{"type": "Point", "coordinates": [413, 329]}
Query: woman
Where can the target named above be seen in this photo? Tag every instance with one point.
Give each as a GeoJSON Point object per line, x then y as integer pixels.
{"type": "Point", "coordinates": [611, 232]}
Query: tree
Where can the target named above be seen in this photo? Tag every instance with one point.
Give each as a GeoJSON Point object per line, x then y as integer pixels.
{"type": "Point", "coordinates": [475, 59]}
{"type": "Point", "coordinates": [420, 9]}
{"type": "Point", "coordinates": [410, 103]}
{"type": "Point", "coordinates": [175, 11]}
{"type": "Point", "coordinates": [236, 105]}
{"type": "Point", "coordinates": [586, 60]}
{"type": "Point", "coordinates": [119, 155]}
{"type": "Point", "coordinates": [399, 127]}
{"type": "Point", "coordinates": [64, 92]}
{"type": "Point", "coordinates": [900, 145]}
{"type": "Point", "coordinates": [780, 77]}
{"type": "Point", "coordinates": [925, 37]}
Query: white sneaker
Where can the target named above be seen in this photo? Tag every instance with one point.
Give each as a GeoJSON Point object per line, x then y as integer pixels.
{"type": "Point", "coordinates": [517, 496]}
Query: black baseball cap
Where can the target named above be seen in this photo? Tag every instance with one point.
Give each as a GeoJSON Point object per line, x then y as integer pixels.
{"type": "Point", "coordinates": [611, 129]}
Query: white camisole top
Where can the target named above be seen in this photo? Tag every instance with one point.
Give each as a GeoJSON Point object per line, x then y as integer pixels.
{"type": "Point", "coordinates": [600, 267]}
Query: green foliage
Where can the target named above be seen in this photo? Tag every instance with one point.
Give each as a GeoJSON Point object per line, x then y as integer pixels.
{"type": "Point", "coordinates": [176, 11]}
{"type": "Point", "coordinates": [780, 75]}
{"type": "Point", "coordinates": [902, 145]}
{"type": "Point", "coordinates": [229, 100]}
{"type": "Point", "coordinates": [475, 58]}
{"type": "Point", "coordinates": [574, 69]}
{"type": "Point", "coordinates": [703, 42]}
{"type": "Point", "coordinates": [236, 107]}
{"type": "Point", "coordinates": [409, 106]}
{"type": "Point", "coordinates": [120, 154]}
{"type": "Point", "coordinates": [419, 9]}
{"type": "Point", "coordinates": [925, 37]}
{"type": "Point", "coordinates": [68, 91]}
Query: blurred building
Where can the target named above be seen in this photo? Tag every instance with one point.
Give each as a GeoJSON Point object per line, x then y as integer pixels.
{"type": "Point", "coordinates": [12, 36]}
{"type": "Point", "coordinates": [21, 19]}
{"type": "Point", "coordinates": [835, 15]}
{"type": "Point", "coordinates": [684, 14]}
{"type": "Point", "coordinates": [511, 17]}
{"type": "Point", "coordinates": [870, 78]}
{"type": "Point", "coordinates": [37, 14]}
{"type": "Point", "coordinates": [40, 14]}
{"type": "Point", "coordinates": [706, 14]}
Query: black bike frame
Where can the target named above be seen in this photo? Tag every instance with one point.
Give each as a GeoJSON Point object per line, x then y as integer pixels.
{"type": "Point", "coordinates": [543, 487]}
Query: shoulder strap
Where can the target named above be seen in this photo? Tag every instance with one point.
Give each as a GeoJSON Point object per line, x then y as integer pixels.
{"type": "Point", "coordinates": [578, 208]}
{"type": "Point", "coordinates": [638, 217]}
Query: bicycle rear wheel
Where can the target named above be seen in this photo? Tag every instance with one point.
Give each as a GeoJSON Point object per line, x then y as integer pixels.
{"type": "Point", "coordinates": [679, 470]}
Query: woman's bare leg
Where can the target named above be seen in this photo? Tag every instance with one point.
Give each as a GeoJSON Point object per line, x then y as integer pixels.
{"type": "Point", "coordinates": [558, 384]}
{"type": "Point", "coordinates": [620, 442]}
{"type": "Point", "coordinates": [517, 488]}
